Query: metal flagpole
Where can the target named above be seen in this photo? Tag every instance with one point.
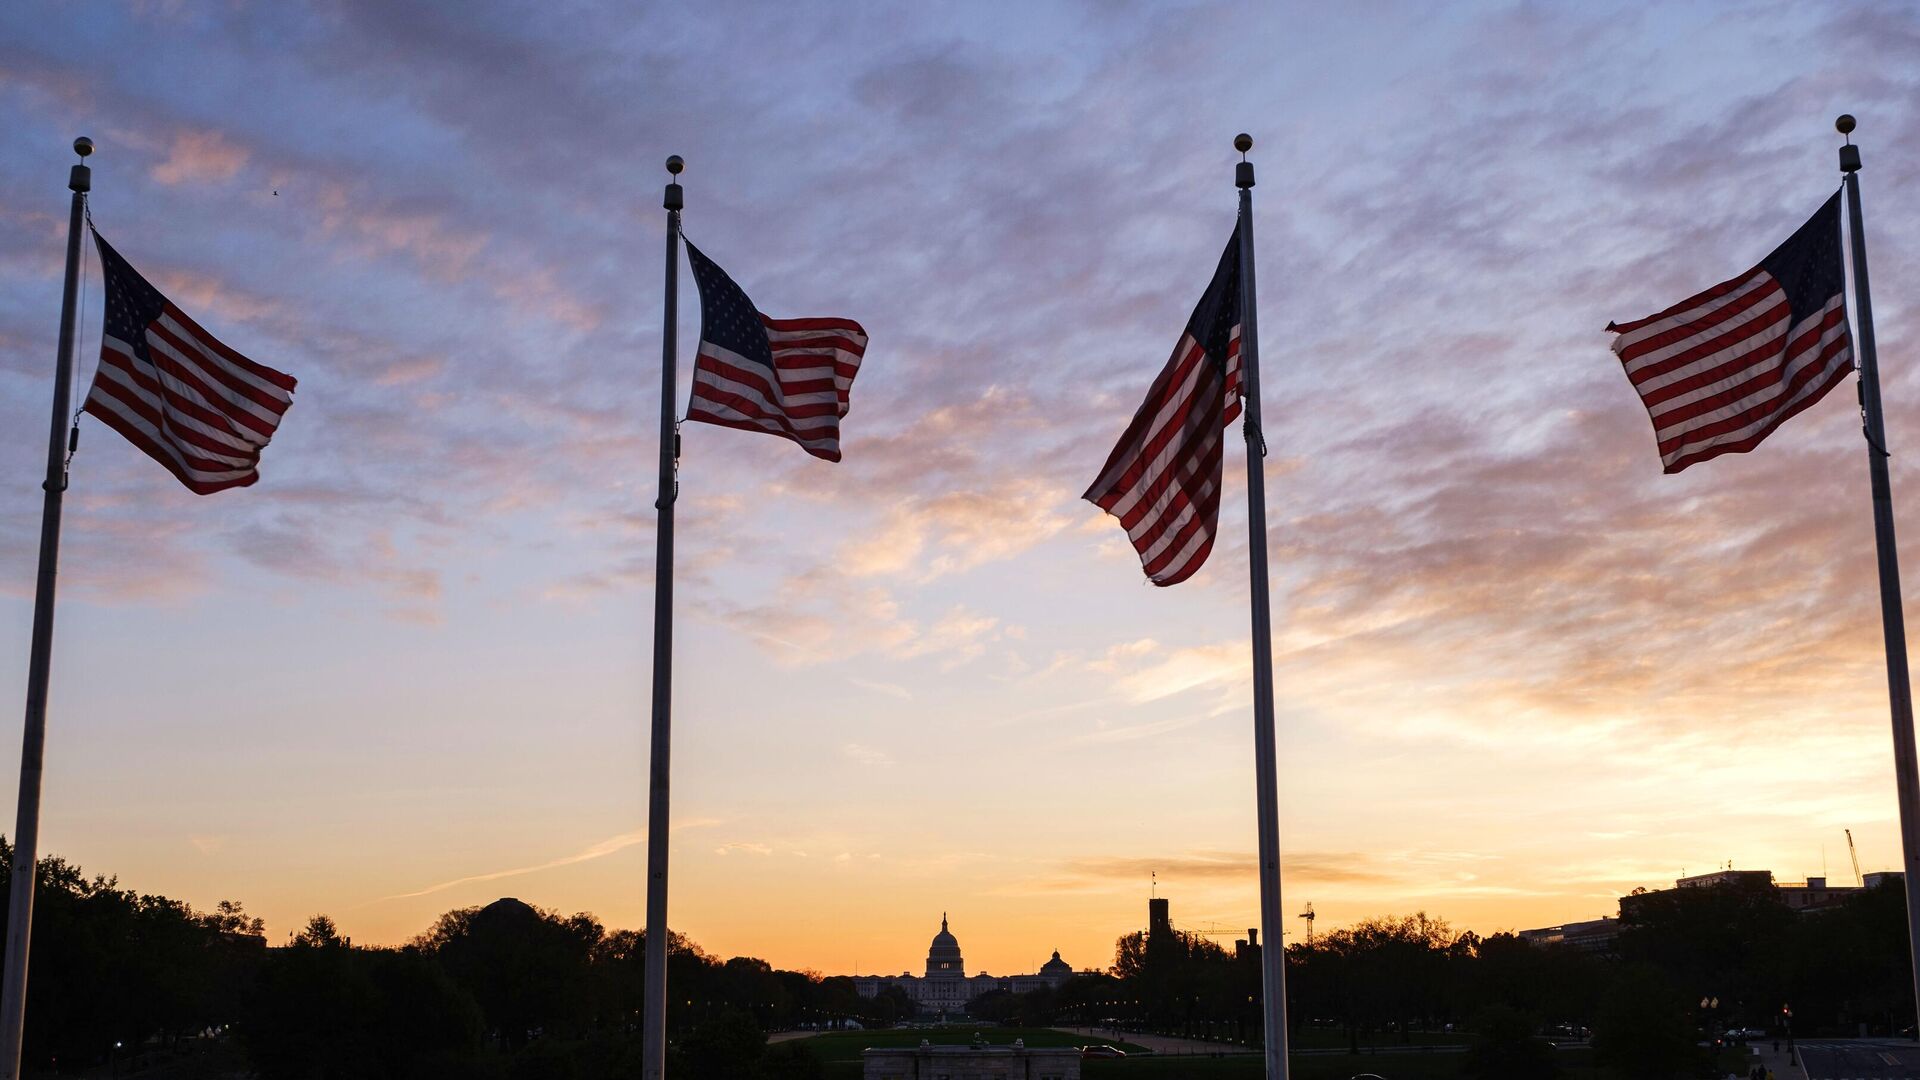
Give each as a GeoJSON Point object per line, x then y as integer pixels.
{"type": "Point", "coordinates": [1273, 955]}
{"type": "Point", "coordinates": [653, 1030]}
{"type": "Point", "coordinates": [33, 739]}
{"type": "Point", "coordinates": [1893, 621]}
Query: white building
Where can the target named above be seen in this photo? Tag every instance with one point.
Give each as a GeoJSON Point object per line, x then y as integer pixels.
{"type": "Point", "coordinates": [946, 987]}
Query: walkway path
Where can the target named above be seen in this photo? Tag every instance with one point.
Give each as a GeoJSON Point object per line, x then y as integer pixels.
{"type": "Point", "coordinates": [1159, 1044]}
{"type": "Point", "coordinates": [789, 1036]}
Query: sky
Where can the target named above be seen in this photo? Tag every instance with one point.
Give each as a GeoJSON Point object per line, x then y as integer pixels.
{"type": "Point", "coordinates": [1519, 671]}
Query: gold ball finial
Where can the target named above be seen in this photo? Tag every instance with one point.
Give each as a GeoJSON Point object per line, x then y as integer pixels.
{"type": "Point", "coordinates": [83, 146]}
{"type": "Point", "coordinates": [1243, 142]}
{"type": "Point", "coordinates": [674, 164]}
{"type": "Point", "coordinates": [1844, 125]}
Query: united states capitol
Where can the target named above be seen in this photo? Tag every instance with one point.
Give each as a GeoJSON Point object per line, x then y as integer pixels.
{"type": "Point", "coordinates": [946, 987]}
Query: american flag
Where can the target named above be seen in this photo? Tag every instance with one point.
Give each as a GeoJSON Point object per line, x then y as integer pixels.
{"type": "Point", "coordinates": [786, 377]}
{"type": "Point", "coordinates": [194, 405]}
{"type": "Point", "coordinates": [1163, 480]}
{"type": "Point", "coordinates": [1719, 371]}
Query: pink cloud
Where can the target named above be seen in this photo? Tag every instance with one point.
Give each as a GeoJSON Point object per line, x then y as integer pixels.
{"type": "Point", "coordinates": [200, 157]}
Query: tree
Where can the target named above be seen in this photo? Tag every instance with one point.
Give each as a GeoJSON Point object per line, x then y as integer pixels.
{"type": "Point", "coordinates": [1505, 1047]}
{"type": "Point", "coordinates": [111, 965]}
{"type": "Point", "coordinates": [793, 1060]}
{"type": "Point", "coordinates": [728, 1043]}
{"type": "Point", "coordinates": [528, 969]}
{"type": "Point", "coordinates": [1643, 1029]}
{"type": "Point", "coordinates": [322, 1011]}
{"type": "Point", "coordinates": [320, 933]}
{"type": "Point", "coordinates": [228, 917]}
{"type": "Point", "coordinates": [1727, 940]}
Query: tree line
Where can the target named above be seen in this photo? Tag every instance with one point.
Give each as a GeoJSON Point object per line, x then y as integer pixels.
{"type": "Point", "coordinates": [514, 992]}
{"type": "Point", "coordinates": [506, 991]}
{"type": "Point", "coordinates": [1687, 966]}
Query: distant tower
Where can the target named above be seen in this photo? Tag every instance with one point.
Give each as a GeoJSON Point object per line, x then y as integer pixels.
{"type": "Point", "coordinates": [1158, 920]}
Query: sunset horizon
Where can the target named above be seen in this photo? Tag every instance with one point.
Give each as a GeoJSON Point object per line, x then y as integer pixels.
{"type": "Point", "coordinates": [1519, 671]}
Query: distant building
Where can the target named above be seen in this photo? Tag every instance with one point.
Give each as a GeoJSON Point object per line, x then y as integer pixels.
{"type": "Point", "coordinates": [977, 1062]}
{"type": "Point", "coordinates": [1811, 895]}
{"type": "Point", "coordinates": [1593, 936]}
{"type": "Point", "coordinates": [946, 987]}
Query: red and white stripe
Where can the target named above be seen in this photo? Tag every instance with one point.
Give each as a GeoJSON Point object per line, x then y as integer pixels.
{"type": "Point", "coordinates": [1163, 479]}
{"type": "Point", "coordinates": [199, 408]}
{"type": "Point", "coordinates": [814, 363]}
{"type": "Point", "coordinates": [1719, 371]}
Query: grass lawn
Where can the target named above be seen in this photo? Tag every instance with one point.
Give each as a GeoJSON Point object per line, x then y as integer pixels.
{"type": "Point", "coordinates": [846, 1045]}
{"type": "Point", "coordinates": [1311, 1067]}
{"type": "Point", "coordinates": [1320, 1038]}
{"type": "Point", "coordinates": [841, 1051]}
{"type": "Point", "coordinates": [1576, 1064]}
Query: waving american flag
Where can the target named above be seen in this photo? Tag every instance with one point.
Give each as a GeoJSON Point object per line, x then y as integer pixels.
{"type": "Point", "coordinates": [1719, 371]}
{"type": "Point", "coordinates": [177, 393]}
{"type": "Point", "coordinates": [1163, 479]}
{"type": "Point", "coordinates": [785, 377]}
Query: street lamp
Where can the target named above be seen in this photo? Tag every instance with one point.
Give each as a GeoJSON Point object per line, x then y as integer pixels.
{"type": "Point", "coordinates": [1708, 1007]}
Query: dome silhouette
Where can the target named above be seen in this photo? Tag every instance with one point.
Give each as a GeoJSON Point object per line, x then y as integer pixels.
{"type": "Point", "coordinates": [943, 956]}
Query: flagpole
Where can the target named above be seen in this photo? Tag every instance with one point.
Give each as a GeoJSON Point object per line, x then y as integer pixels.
{"type": "Point", "coordinates": [653, 1030]}
{"type": "Point", "coordinates": [1893, 621]}
{"type": "Point", "coordinates": [33, 738]}
{"type": "Point", "coordinates": [1273, 956]}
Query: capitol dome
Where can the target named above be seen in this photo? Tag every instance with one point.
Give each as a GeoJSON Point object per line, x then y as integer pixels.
{"type": "Point", "coordinates": [1056, 968]}
{"type": "Point", "coordinates": [943, 956]}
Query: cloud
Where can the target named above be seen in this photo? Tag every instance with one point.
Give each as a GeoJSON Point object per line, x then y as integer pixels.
{"type": "Point", "coordinates": [867, 756]}
{"type": "Point", "coordinates": [1473, 551]}
{"type": "Point", "coordinates": [957, 531]}
{"type": "Point", "coordinates": [602, 849]}
{"type": "Point", "coordinates": [889, 689]}
{"type": "Point", "coordinates": [1190, 668]}
{"type": "Point", "coordinates": [1203, 870]}
{"type": "Point", "coordinates": [1135, 732]}
{"type": "Point", "coordinates": [200, 157]}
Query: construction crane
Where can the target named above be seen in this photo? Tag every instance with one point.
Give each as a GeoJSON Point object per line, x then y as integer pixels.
{"type": "Point", "coordinates": [1857, 879]}
{"type": "Point", "coordinates": [1308, 915]}
{"type": "Point", "coordinates": [1214, 929]}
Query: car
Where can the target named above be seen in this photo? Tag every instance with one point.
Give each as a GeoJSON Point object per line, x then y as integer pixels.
{"type": "Point", "coordinates": [1102, 1052]}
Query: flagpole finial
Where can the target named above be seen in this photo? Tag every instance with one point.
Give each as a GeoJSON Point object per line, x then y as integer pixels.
{"type": "Point", "coordinates": [80, 178]}
{"type": "Point", "coordinates": [1849, 153]}
{"type": "Point", "coordinates": [1243, 172]}
{"type": "Point", "coordinates": [1243, 142]}
{"type": "Point", "coordinates": [673, 200]}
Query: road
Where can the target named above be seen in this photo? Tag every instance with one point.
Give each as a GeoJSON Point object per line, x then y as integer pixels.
{"type": "Point", "coordinates": [1860, 1059]}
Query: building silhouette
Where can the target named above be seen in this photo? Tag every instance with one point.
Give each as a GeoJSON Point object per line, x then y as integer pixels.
{"type": "Point", "coordinates": [1809, 897]}
{"type": "Point", "coordinates": [946, 986]}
